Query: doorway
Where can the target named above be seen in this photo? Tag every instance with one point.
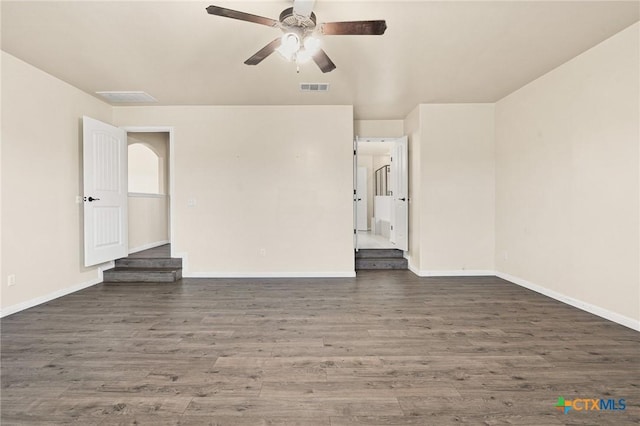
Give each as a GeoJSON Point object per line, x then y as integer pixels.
{"type": "Point", "coordinates": [380, 202]}
{"type": "Point", "coordinates": [105, 176]}
{"type": "Point", "coordinates": [149, 187]}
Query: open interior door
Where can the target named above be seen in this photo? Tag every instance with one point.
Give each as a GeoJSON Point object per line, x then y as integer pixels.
{"type": "Point", "coordinates": [361, 200]}
{"type": "Point", "coordinates": [355, 193]}
{"type": "Point", "coordinates": [105, 192]}
{"type": "Point", "coordinates": [399, 233]}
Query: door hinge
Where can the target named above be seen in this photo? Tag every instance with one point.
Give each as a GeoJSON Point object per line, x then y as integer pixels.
{"type": "Point", "coordinates": [354, 231]}
{"type": "Point", "coordinates": [354, 192]}
{"type": "Point", "coordinates": [392, 227]}
{"type": "Point", "coordinates": [354, 152]}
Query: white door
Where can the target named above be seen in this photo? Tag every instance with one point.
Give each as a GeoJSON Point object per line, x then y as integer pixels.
{"type": "Point", "coordinates": [105, 192]}
{"type": "Point", "coordinates": [355, 197]}
{"type": "Point", "coordinates": [399, 233]}
{"type": "Point", "coordinates": [361, 199]}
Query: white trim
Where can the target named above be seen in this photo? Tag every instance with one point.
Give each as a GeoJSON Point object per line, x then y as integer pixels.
{"type": "Point", "coordinates": [453, 272]}
{"type": "Point", "coordinates": [147, 129]}
{"type": "Point", "coordinates": [148, 246]}
{"type": "Point", "coordinates": [346, 274]}
{"type": "Point", "coordinates": [633, 324]}
{"type": "Point", "coordinates": [172, 187]}
{"type": "Point", "coordinates": [185, 260]}
{"type": "Point", "coordinates": [56, 294]}
{"type": "Point", "coordinates": [285, 274]}
{"type": "Point", "coordinates": [145, 195]}
{"type": "Point", "coordinates": [366, 139]}
{"type": "Point", "coordinates": [413, 268]}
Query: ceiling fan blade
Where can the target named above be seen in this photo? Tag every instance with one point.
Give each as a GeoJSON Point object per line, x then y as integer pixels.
{"type": "Point", "coordinates": [230, 13]}
{"type": "Point", "coordinates": [354, 28]}
{"type": "Point", "coordinates": [323, 61]}
{"type": "Point", "coordinates": [264, 52]}
{"type": "Point", "coordinates": [303, 7]}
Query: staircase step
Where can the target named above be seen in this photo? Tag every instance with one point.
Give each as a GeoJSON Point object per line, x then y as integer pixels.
{"type": "Point", "coordinates": [379, 253]}
{"type": "Point", "coordinates": [142, 275]}
{"type": "Point", "coordinates": [149, 262]}
{"type": "Point", "coordinates": [382, 263]}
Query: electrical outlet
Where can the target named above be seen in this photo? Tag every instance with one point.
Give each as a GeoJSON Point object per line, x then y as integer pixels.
{"type": "Point", "coordinates": [11, 280]}
{"type": "Point", "coordinates": [192, 202]}
{"type": "Point", "coordinates": [263, 252]}
{"type": "Point", "coordinates": [505, 255]}
{"type": "Point", "coordinates": [78, 199]}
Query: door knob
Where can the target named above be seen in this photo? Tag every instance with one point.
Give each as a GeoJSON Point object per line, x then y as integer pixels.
{"type": "Point", "coordinates": [91, 199]}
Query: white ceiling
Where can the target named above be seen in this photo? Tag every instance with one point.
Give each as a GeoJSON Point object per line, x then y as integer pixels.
{"type": "Point", "coordinates": [432, 52]}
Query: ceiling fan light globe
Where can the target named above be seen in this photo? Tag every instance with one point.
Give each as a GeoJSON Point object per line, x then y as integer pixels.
{"type": "Point", "coordinates": [285, 53]}
{"type": "Point", "coordinates": [289, 46]}
{"type": "Point", "coordinates": [303, 56]}
{"type": "Point", "coordinates": [290, 42]}
{"type": "Point", "coordinates": [312, 44]}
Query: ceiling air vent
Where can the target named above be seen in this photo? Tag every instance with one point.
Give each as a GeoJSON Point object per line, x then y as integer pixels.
{"type": "Point", "coordinates": [127, 97]}
{"type": "Point", "coordinates": [314, 87]}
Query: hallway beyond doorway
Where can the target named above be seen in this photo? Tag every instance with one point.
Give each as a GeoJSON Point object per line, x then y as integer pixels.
{"type": "Point", "coordinates": [369, 240]}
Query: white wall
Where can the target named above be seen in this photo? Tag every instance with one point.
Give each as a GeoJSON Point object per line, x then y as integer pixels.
{"type": "Point", "coordinates": [41, 176]}
{"type": "Point", "coordinates": [158, 142]}
{"type": "Point", "coordinates": [378, 128]}
{"type": "Point", "coordinates": [568, 187]}
{"type": "Point", "coordinates": [272, 188]}
{"type": "Point", "coordinates": [148, 221]}
{"type": "Point", "coordinates": [451, 189]}
{"type": "Point", "coordinates": [457, 189]}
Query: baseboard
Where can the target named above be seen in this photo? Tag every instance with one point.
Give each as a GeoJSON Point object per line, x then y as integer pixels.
{"type": "Point", "coordinates": [452, 273]}
{"type": "Point", "coordinates": [284, 274]}
{"type": "Point", "coordinates": [592, 309]}
{"type": "Point", "coordinates": [345, 274]}
{"type": "Point", "coordinates": [411, 267]}
{"type": "Point", "coordinates": [56, 294]}
{"type": "Point", "coordinates": [148, 246]}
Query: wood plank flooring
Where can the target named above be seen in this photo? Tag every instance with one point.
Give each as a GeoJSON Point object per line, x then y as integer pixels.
{"type": "Point", "coordinates": [155, 252]}
{"type": "Point", "coordinates": [385, 348]}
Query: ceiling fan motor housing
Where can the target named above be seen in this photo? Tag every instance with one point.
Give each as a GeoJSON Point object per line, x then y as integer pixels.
{"type": "Point", "coordinates": [290, 21]}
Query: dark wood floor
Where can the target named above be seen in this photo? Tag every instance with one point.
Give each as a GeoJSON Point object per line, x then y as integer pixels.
{"type": "Point", "coordinates": [385, 348]}
{"type": "Point", "coordinates": [160, 251]}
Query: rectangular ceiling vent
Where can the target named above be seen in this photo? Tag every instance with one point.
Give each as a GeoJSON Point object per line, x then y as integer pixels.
{"type": "Point", "coordinates": [314, 87]}
{"type": "Point", "coordinates": [127, 97]}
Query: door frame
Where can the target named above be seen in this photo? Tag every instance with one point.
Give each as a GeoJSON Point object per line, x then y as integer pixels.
{"type": "Point", "coordinates": [360, 197]}
{"type": "Point", "coordinates": [358, 139]}
{"type": "Point", "coordinates": [170, 130]}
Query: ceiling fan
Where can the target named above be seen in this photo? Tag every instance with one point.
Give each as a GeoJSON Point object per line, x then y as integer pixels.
{"type": "Point", "coordinates": [300, 42]}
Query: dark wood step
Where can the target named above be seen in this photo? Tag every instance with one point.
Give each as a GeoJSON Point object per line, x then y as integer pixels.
{"type": "Point", "coordinates": [379, 253]}
{"type": "Point", "coordinates": [384, 263]}
{"type": "Point", "coordinates": [149, 262]}
{"type": "Point", "coordinates": [142, 275]}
